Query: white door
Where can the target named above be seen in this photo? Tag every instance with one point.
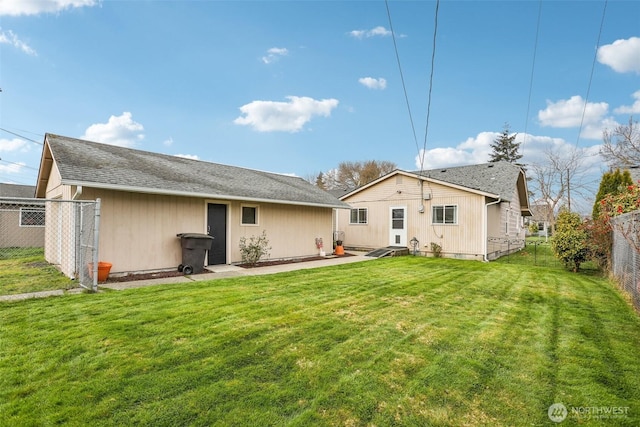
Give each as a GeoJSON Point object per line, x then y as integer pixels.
{"type": "Point", "coordinates": [398, 226]}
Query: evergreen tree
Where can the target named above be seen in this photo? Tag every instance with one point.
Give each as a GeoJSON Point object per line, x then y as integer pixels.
{"type": "Point", "coordinates": [612, 183]}
{"type": "Point", "coordinates": [505, 147]}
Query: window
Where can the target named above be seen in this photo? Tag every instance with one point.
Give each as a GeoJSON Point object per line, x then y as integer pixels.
{"type": "Point", "coordinates": [447, 214]}
{"type": "Point", "coordinates": [31, 217]}
{"type": "Point", "coordinates": [249, 215]}
{"type": "Point", "coordinates": [358, 216]}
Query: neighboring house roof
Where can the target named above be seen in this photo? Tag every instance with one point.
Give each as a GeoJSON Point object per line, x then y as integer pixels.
{"type": "Point", "coordinates": [635, 173]}
{"type": "Point", "coordinates": [97, 165]}
{"type": "Point", "coordinates": [496, 179]}
{"type": "Point", "coordinates": [15, 190]}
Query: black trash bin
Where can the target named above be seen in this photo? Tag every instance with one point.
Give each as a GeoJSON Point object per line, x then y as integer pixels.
{"type": "Point", "coordinates": [194, 249]}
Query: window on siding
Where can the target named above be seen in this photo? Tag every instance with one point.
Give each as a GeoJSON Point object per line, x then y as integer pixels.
{"type": "Point", "coordinates": [31, 217]}
{"type": "Point", "coordinates": [358, 216]}
{"type": "Point", "coordinates": [447, 214]}
{"type": "Point", "coordinates": [249, 215]}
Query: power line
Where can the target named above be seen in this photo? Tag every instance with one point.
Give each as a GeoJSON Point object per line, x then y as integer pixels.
{"type": "Point", "coordinates": [533, 64]}
{"type": "Point", "coordinates": [404, 87]}
{"type": "Point", "coordinates": [21, 136]}
{"type": "Point", "coordinates": [433, 58]}
{"type": "Point", "coordinates": [593, 66]}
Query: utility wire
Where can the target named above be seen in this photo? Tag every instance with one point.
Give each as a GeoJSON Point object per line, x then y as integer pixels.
{"type": "Point", "coordinates": [433, 58]}
{"type": "Point", "coordinates": [404, 87]}
{"type": "Point", "coordinates": [533, 65]}
{"type": "Point", "coordinates": [21, 136]}
{"type": "Point", "coordinates": [593, 66]}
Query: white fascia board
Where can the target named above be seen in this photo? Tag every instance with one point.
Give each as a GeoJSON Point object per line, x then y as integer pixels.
{"type": "Point", "coordinates": [197, 195]}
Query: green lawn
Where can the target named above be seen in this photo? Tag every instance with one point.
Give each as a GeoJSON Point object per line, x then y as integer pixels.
{"type": "Point", "coordinates": [24, 270]}
{"type": "Point", "coordinates": [408, 341]}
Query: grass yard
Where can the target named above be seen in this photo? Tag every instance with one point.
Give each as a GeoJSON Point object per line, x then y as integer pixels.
{"type": "Point", "coordinates": [24, 270]}
{"type": "Point", "coordinates": [408, 341]}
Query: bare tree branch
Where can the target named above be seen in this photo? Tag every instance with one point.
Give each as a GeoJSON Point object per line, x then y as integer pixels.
{"type": "Point", "coordinates": [621, 146]}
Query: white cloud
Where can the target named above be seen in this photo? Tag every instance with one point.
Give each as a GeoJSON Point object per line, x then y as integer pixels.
{"type": "Point", "coordinates": [35, 7]}
{"type": "Point", "coordinates": [119, 130]}
{"type": "Point", "coordinates": [274, 54]}
{"type": "Point", "coordinates": [14, 144]}
{"type": "Point", "coordinates": [623, 56]}
{"type": "Point", "coordinates": [188, 156]}
{"type": "Point", "coordinates": [168, 142]}
{"type": "Point", "coordinates": [632, 109]}
{"type": "Point", "coordinates": [373, 83]}
{"type": "Point", "coordinates": [477, 149]}
{"type": "Point", "coordinates": [374, 32]}
{"type": "Point", "coordinates": [12, 167]}
{"type": "Point", "coordinates": [10, 38]}
{"type": "Point", "coordinates": [568, 113]}
{"type": "Point", "coordinates": [272, 116]}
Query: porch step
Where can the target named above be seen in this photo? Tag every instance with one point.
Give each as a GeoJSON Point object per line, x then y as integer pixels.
{"type": "Point", "coordinates": [388, 251]}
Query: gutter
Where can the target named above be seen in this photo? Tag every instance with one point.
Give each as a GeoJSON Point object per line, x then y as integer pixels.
{"type": "Point", "coordinates": [484, 227]}
{"type": "Point", "coordinates": [144, 190]}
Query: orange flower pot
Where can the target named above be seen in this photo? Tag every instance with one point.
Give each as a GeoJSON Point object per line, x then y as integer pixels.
{"type": "Point", "coordinates": [103, 271]}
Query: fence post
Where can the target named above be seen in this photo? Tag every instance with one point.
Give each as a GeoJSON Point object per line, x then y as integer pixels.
{"type": "Point", "coordinates": [96, 242]}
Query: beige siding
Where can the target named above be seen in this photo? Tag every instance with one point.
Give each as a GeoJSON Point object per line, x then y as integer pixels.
{"type": "Point", "coordinates": [13, 235]}
{"type": "Point", "coordinates": [291, 230]}
{"type": "Point", "coordinates": [464, 239]}
{"type": "Point", "coordinates": [138, 231]}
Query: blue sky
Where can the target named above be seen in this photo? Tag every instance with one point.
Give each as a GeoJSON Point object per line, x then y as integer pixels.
{"type": "Point", "coordinates": [297, 87]}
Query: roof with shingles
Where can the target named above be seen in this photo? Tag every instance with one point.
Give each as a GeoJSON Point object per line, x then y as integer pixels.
{"type": "Point", "coordinates": [497, 178]}
{"type": "Point", "coordinates": [94, 164]}
{"type": "Point", "coordinates": [17, 190]}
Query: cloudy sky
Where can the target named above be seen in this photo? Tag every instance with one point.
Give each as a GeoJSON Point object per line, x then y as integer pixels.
{"type": "Point", "coordinates": [298, 87]}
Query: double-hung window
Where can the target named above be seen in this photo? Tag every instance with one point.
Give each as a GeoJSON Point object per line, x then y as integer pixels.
{"type": "Point", "coordinates": [358, 216]}
{"type": "Point", "coordinates": [445, 214]}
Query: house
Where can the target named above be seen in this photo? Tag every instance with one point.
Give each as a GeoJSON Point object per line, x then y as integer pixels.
{"type": "Point", "coordinates": [543, 216]}
{"type": "Point", "coordinates": [148, 198]}
{"type": "Point", "coordinates": [22, 220]}
{"type": "Point", "coordinates": [471, 212]}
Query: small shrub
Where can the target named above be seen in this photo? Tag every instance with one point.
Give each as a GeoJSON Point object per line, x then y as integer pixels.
{"type": "Point", "coordinates": [253, 249]}
{"type": "Point", "coordinates": [436, 249]}
{"type": "Point", "coordinates": [570, 242]}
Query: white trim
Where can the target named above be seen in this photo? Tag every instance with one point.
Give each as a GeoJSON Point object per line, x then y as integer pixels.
{"type": "Point", "coordinates": [145, 190]}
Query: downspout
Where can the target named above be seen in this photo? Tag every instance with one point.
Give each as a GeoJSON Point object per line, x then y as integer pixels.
{"type": "Point", "coordinates": [485, 227]}
{"type": "Point", "coordinates": [78, 192]}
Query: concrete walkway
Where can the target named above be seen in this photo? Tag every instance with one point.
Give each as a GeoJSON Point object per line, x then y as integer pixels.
{"type": "Point", "coordinates": [218, 272]}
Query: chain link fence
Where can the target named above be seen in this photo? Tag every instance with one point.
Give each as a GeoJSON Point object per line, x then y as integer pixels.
{"type": "Point", "coordinates": [625, 254]}
{"type": "Point", "coordinates": [63, 232]}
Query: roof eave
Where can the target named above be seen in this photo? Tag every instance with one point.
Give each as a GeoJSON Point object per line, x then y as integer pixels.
{"type": "Point", "coordinates": [132, 189]}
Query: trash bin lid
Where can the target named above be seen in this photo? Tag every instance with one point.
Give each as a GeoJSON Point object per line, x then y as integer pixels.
{"type": "Point", "coordinates": [194, 236]}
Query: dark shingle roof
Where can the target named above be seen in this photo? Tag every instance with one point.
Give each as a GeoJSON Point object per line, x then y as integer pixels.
{"type": "Point", "coordinates": [499, 178]}
{"type": "Point", "coordinates": [15, 190]}
{"type": "Point", "coordinates": [635, 173]}
{"type": "Point", "coordinates": [107, 166]}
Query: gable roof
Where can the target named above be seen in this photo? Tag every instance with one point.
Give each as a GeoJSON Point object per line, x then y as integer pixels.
{"type": "Point", "coordinates": [16, 190]}
{"type": "Point", "coordinates": [498, 180]}
{"type": "Point", "coordinates": [97, 165]}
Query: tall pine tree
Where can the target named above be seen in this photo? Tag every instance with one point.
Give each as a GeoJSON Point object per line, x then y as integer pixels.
{"type": "Point", "coordinates": [505, 147]}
